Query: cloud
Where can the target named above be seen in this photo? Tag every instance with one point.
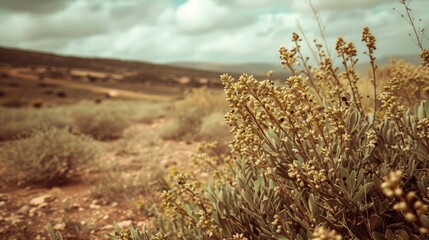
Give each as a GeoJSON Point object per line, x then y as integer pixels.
{"type": "Point", "coordinates": [33, 7]}
{"type": "Point", "coordinates": [344, 5]}
{"type": "Point", "coordinates": [197, 30]}
{"type": "Point", "coordinates": [202, 16]}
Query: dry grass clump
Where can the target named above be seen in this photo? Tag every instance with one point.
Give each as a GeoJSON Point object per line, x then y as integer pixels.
{"type": "Point", "coordinates": [113, 185]}
{"type": "Point", "coordinates": [49, 155]}
{"type": "Point", "coordinates": [108, 120]}
{"type": "Point", "coordinates": [309, 160]}
{"type": "Point", "coordinates": [199, 116]}
{"type": "Point", "coordinates": [100, 123]}
{"type": "Point", "coordinates": [103, 121]}
{"type": "Point", "coordinates": [21, 122]}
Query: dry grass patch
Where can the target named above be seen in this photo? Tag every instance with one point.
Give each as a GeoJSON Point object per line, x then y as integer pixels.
{"type": "Point", "coordinates": [50, 155]}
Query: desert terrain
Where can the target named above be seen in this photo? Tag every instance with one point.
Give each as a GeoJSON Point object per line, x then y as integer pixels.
{"type": "Point", "coordinates": [121, 184]}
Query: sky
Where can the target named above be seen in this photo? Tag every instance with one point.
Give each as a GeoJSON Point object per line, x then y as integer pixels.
{"type": "Point", "coordinates": [227, 31]}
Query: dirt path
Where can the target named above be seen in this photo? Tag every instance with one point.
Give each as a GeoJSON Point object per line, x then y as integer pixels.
{"type": "Point", "coordinates": [72, 209]}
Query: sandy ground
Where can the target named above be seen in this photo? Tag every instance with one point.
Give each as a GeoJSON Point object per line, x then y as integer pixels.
{"type": "Point", "coordinates": [72, 208]}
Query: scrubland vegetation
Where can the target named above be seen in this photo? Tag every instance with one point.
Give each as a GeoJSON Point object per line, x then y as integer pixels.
{"type": "Point", "coordinates": [317, 157]}
{"type": "Point", "coordinates": [329, 154]}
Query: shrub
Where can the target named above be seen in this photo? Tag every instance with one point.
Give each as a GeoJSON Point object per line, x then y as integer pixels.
{"type": "Point", "coordinates": [108, 119]}
{"type": "Point", "coordinates": [99, 122]}
{"type": "Point", "coordinates": [49, 155]}
{"type": "Point", "coordinates": [113, 185]}
{"type": "Point", "coordinates": [309, 160]}
{"type": "Point", "coordinates": [199, 109]}
{"type": "Point", "coordinates": [21, 122]}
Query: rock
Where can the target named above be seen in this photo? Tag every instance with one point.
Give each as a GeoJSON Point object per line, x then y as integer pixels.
{"type": "Point", "coordinates": [2, 203]}
{"type": "Point", "coordinates": [124, 223]}
{"type": "Point", "coordinates": [105, 217]}
{"type": "Point", "coordinates": [15, 219]}
{"type": "Point", "coordinates": [107, 227]}
{"type": "Point", "coordinates": [40, 200]}
{"type": "Point", "coordinates": [3, 197]}
{"type": "Point", "coordinates": [82, 222]}
{"type": "Point", "coordinates": [140, 224]}
{"type": "Point", "coordinates": [60, 226]}
{"type": "Point", "coordinates": [114, 204]}
{"type": "Point", "coordinates": [81, 209]}
{"type": "Point", "coordinates": [129, 213]}
{"type": "Point", "coordinates": [94, 206]}
{"type": "Point", "coordinates": [33, 212]}
{"type": "Point", "coordinates": [23, 210]}
{"type": "Point", "coordinates": [43, 205]}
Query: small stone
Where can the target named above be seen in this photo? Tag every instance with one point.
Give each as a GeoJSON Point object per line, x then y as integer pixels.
{"type": "Point", "coordinates": [129, 213]}
{"type": "Point", "coordinates": [43, 205]}
{"type": "Point", "coordinates": [140, 224]}
{"type": "Point", "coordinates": [114, 204]}
{"type": "Point", "coordinates": [23, 210]}
{"type": "Point", "coordinates": [40, 200]}
{"type": "Point", "coordinates": [15, 219]}
{"type": "Point", "coordinates": [60, 226]}
{"type": "Point", "coordinates": [94, 206]}
{"type": "Point", "coordinates": [2, 203]}
{"type": "Point", "coordinates": [107, 227]}
{"type": "Point", "coordinates": [3, 197]}
{"type": "Point", "coordinates": [32, 212]}
{"type": "Point", "coordinates": [105, 217]}
{"type": "Point", "coordinates": [82, 222]}
{"type": "Point", "coordinates": [81, 209]}
{"type": "Point", "coordinates": [124, 223]}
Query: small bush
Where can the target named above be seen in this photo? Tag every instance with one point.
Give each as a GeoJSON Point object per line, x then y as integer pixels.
{"type": "Point", "coordinates": [100, 123]}
{"type": "Point", "coordinates": [21, 122]}
{"type": "Point", "coordinates": [113, 185]}
{"type": "Point", "coordinates": [49, 155]}
{"type": "Point", "coordinates": [200, 108]}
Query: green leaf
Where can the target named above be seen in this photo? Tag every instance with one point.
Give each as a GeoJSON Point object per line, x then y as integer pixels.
{"type": "Point", "coordinates": [402, 234]}
{"type": "Point", "coordinates": [424, 220]}
{"type": "Point", "coordinates": [378, 236]}
{"type": "Point", "coordinates": [314, 209]}
{"type": "Point", "coordinates": [360, 195]}
{"type": "Point", "coordinates": [420, 111]}
{"type": "Point", "coordinates": [389, 234]}
{"type": "Point", "coordinates": [375, 222]}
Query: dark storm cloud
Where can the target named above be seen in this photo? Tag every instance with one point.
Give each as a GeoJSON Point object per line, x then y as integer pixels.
{"type": "Point", "coordinates": [33, 6]}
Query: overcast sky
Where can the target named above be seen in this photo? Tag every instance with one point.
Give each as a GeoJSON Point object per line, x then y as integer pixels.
{"type": "Point", "coordinates": [229, 31]}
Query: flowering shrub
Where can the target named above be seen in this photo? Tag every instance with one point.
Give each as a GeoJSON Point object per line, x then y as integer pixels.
{"type": "Point", "coordinates": [308, 159]}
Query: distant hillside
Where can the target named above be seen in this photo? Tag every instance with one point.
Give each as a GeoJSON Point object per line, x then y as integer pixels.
{"type": "Point", "coordinates": [258, 69]}
{"type": "Point", "coordinates": [262, 68]}
{"type": "Point", "coordinates": [141, 71]}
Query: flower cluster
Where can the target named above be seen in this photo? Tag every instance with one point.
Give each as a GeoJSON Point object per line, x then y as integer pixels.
{"type": "Point", "coordinates": [323, 233]}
